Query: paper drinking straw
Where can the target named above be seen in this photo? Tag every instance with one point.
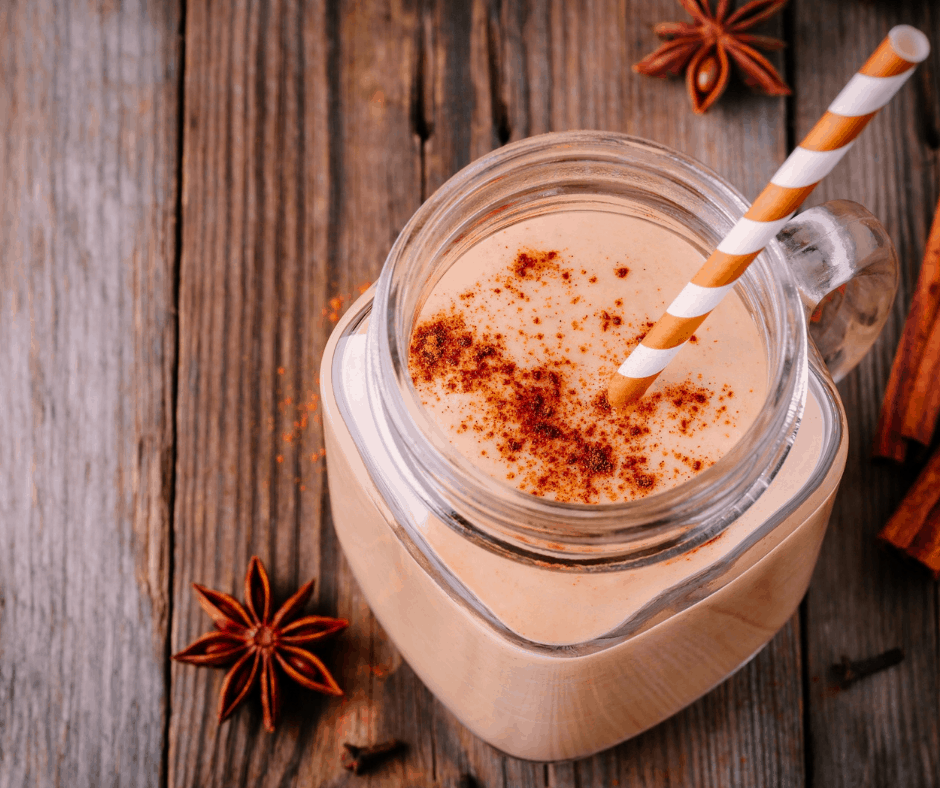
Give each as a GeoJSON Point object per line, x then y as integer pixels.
{"type": "Point", "coordinates": [869, 90]}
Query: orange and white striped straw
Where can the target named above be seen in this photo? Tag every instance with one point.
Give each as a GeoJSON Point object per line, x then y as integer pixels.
{"type": "Point", "coordinates": [869, 90]}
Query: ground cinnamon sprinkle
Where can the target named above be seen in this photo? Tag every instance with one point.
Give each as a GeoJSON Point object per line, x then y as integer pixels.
{"type": "Point", "coordinates": [534, 413]}
{"type": "Point", "coordinates": [528, 263]}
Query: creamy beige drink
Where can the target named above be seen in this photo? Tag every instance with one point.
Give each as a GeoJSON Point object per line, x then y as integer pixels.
{"type": "Point", "coordinates": [513, 349]}
{"type": "Point", "coordinates": [510, 353]}
{"type": "Point", "coordinates": [561, 577]}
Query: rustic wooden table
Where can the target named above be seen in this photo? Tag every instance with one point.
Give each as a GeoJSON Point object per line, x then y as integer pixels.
{"type": "Point", "coordinates": [192, 193]}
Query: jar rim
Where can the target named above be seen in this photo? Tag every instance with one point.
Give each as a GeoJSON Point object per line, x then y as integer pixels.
{"type": "Point", "coordinates": [500, 516]}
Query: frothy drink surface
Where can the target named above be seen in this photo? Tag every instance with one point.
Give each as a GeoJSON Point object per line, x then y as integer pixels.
{"type": "Point", "coordinates": [513, 349]}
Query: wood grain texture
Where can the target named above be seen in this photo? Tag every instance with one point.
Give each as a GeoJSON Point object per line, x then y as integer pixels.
{"type": "Point", "coordinates": [88, 162]}
{"type": "Point", "coordinates": [865, 599]}
{"type": "Point", "coordinates": [300, 167]}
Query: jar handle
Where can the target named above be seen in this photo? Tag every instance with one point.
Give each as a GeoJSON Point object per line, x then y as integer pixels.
{"type": "Point", "coordinates": [846, 268]}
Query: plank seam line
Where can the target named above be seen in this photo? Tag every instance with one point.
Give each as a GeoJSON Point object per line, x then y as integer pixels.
{"type": "Point", "coordinates": [164, 776]}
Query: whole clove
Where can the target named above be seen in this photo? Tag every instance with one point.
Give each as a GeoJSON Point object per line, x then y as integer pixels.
{"type": "Point", "coordinates": [360, 760]}
{"type": "Point", "coordinates": [848, 672]}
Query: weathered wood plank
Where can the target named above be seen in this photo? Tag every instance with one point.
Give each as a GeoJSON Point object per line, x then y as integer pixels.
{"type": "Point", "coordinates": [864, 599]}
{"type": "Point", "coordinates": [300, 168]}
{"type": "Point", "coordinates": [88, 169]}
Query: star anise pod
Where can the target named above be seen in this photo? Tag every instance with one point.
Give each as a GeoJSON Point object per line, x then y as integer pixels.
{"type": "Point", "coordinates": [261, 645]}
{"type": "Point", "coordinates": [706, 47]}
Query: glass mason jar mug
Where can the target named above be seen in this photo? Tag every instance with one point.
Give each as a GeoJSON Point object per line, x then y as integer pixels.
{"type": "Point", "coordinates": [555, 630]}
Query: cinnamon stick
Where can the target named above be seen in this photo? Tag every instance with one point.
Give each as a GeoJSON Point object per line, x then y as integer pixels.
{"type": "Point", "coordinates": [915, 526]}
{"type": "Point", "coordinates": [923, 405]}
{"type": "Point", "coordinates": [899, 399]}
{"type": "Point", "coordinates": [889, 442]}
